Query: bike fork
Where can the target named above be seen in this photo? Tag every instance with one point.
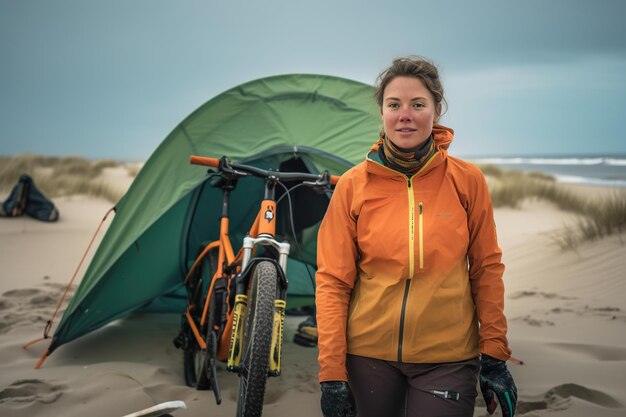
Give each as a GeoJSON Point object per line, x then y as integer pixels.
{"type": "Point", "coordinates": [236, 337]}
{"type": "Point", "coordinates": [277, 337]}
{"type": "Point", "coordinates": [235, 350]}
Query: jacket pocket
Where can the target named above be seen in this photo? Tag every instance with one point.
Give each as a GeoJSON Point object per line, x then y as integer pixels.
{"type": "Point", "coordinates": [421, 235]}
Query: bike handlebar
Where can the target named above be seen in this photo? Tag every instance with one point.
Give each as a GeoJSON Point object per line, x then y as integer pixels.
{"type": "Point", "coordinates": [204, 160]}
{"type": "Point", "coordinates": [241, 169]}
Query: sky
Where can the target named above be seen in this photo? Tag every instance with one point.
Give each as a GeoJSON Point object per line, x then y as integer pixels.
{"type": "Point", "coordinates": [111, 79]}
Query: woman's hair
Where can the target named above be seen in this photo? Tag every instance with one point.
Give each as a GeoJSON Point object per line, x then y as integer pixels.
{"type": "Point", "coordinates": [412, 66]}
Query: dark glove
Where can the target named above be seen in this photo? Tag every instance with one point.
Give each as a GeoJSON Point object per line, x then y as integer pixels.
{"type": "Point", "coordinates": [337, 400]}
{"type": "Point", "coordinates": [495, 379]}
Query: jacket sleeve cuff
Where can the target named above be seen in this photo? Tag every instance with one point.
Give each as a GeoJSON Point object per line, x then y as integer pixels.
{"type": "Point", "coordinates": [495, 350]}
{"type": "Point", "coordinates": [336, 374]}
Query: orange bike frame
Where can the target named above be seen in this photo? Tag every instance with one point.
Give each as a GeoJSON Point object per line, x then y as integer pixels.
{"type": "Point", "coordinates": [225, 253]}
{"type": "Point", "coordinates": [265, 223]}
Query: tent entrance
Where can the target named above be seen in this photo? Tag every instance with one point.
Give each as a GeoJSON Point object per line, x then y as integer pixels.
{"type": "Point", "coordinates": [306, 205]}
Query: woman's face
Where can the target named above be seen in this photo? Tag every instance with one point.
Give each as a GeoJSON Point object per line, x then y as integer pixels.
{"type": "Point", "coordinates": [408, 112]}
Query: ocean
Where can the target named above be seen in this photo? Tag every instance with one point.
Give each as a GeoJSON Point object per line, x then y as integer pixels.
{"type": "Point", "coordinates": [595, 170]}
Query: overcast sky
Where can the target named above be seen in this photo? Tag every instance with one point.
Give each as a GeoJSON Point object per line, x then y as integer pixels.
{"type": "Point", "coordinates": [112, 78]}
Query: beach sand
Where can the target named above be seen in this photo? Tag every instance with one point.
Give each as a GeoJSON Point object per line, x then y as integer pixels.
{"type": "Point", "coordinates": [566, 311]}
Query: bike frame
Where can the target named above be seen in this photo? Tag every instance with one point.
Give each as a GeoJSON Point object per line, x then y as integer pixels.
{"type": "Point", "coordinates": [262, 232]}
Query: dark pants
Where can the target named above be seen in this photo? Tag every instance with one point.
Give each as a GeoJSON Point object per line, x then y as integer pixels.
{"type": "Point", "coordinates": [392, 389]}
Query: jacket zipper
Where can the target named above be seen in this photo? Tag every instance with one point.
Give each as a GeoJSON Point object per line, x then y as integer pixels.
{"type": "Point", "coordinates": [407, 286]}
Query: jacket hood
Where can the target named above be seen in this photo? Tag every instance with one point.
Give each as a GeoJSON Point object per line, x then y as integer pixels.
{"type": "Point", "coordinates": [443, 138]}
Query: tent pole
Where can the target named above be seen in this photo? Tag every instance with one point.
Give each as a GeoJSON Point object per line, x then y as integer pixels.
{"type": "Point", "coordinates": [43, 358]}
{"type": "Point", "coordinates": [69, 285]}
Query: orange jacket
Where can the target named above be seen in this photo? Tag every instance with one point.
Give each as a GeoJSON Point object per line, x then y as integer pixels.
{"type": "Point", "coordinates": [408, 268]}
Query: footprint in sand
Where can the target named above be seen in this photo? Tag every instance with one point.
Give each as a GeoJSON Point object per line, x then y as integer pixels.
{"type": "Point", "coordinates": [574, 390]}
{"type": "Point", "coordinates": [531, 321]}
{"type": "Point", "coordinates": [559, 398]}
{"type": "Point", "coordinates": [42, 300]}
{"type": "Point", "coordinates": [550, 403]}
{"type": "Point", "coordinates": [30, 391]}
{"type": "Point", "coordinates": [58, 288]}
{"type": "Point", "coordinates": [609, 312]}
{"type": "Point", "coordinates": [612, 313]}
{"type": "Point", "coordinates": [21, 293]}
{"type": "Point", "coordinates": [547, 295]}
{"type": "Point", "coordinates": [29, 306]}
{"type": "Point", "coordinates": [560, 310]}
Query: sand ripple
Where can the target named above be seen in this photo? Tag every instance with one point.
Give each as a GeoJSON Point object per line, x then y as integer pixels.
{"type": "Point", "coordinates": [30, 391]}
{"type": "Point", "coordinates": [27, 306]}
{"type": "Point", "coordinates": [559, 398]}
{"type": "Point", "coordinates": [599, 352]}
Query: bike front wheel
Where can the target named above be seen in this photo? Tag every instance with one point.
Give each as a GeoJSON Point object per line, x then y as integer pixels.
{"type": "Point", "coordinates": [257, 339]}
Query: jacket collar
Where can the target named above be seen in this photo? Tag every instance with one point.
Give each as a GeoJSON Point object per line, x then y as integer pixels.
{"type": "Point", "coordinates": [443, 138]}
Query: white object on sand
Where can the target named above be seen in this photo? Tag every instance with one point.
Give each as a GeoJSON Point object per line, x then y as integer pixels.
{"type": "Point", "coordinates": [159, 409]}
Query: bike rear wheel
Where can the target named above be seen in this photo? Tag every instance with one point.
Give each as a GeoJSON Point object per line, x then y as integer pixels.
{"type": "Point", "coordinates": [195, 358]}
{"type": "Point", "coordinates": [257, 340]}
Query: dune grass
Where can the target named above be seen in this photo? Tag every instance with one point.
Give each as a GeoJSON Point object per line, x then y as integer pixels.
{"type": "Point", "coordinates": [512, 187]}
{"type": "Point", "coordinates": [595, 218]}
{"type": "Point", "coordinates": [59, 176]}
{"type": "Point", "coordinates": [604, 218]}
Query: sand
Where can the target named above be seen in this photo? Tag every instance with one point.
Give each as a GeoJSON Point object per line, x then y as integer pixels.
{"type": "Point", "coordinates": [567, 315]}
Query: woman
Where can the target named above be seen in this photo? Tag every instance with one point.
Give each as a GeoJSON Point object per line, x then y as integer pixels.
{"type": "Point", "coordinates": [409, 282]}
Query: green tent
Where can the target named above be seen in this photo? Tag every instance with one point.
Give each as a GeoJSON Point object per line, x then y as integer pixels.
{"type": "Point", "coordinates": [295, 122]}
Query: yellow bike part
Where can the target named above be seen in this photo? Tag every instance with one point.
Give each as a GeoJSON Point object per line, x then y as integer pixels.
{"type": "Point", "coordinates": [236, 336]}
{"type": "Point", "coordinates": [277, 337]}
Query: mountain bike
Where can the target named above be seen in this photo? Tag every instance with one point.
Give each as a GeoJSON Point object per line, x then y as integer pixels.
{"type": "Point", "coordinates": [236, 302]}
